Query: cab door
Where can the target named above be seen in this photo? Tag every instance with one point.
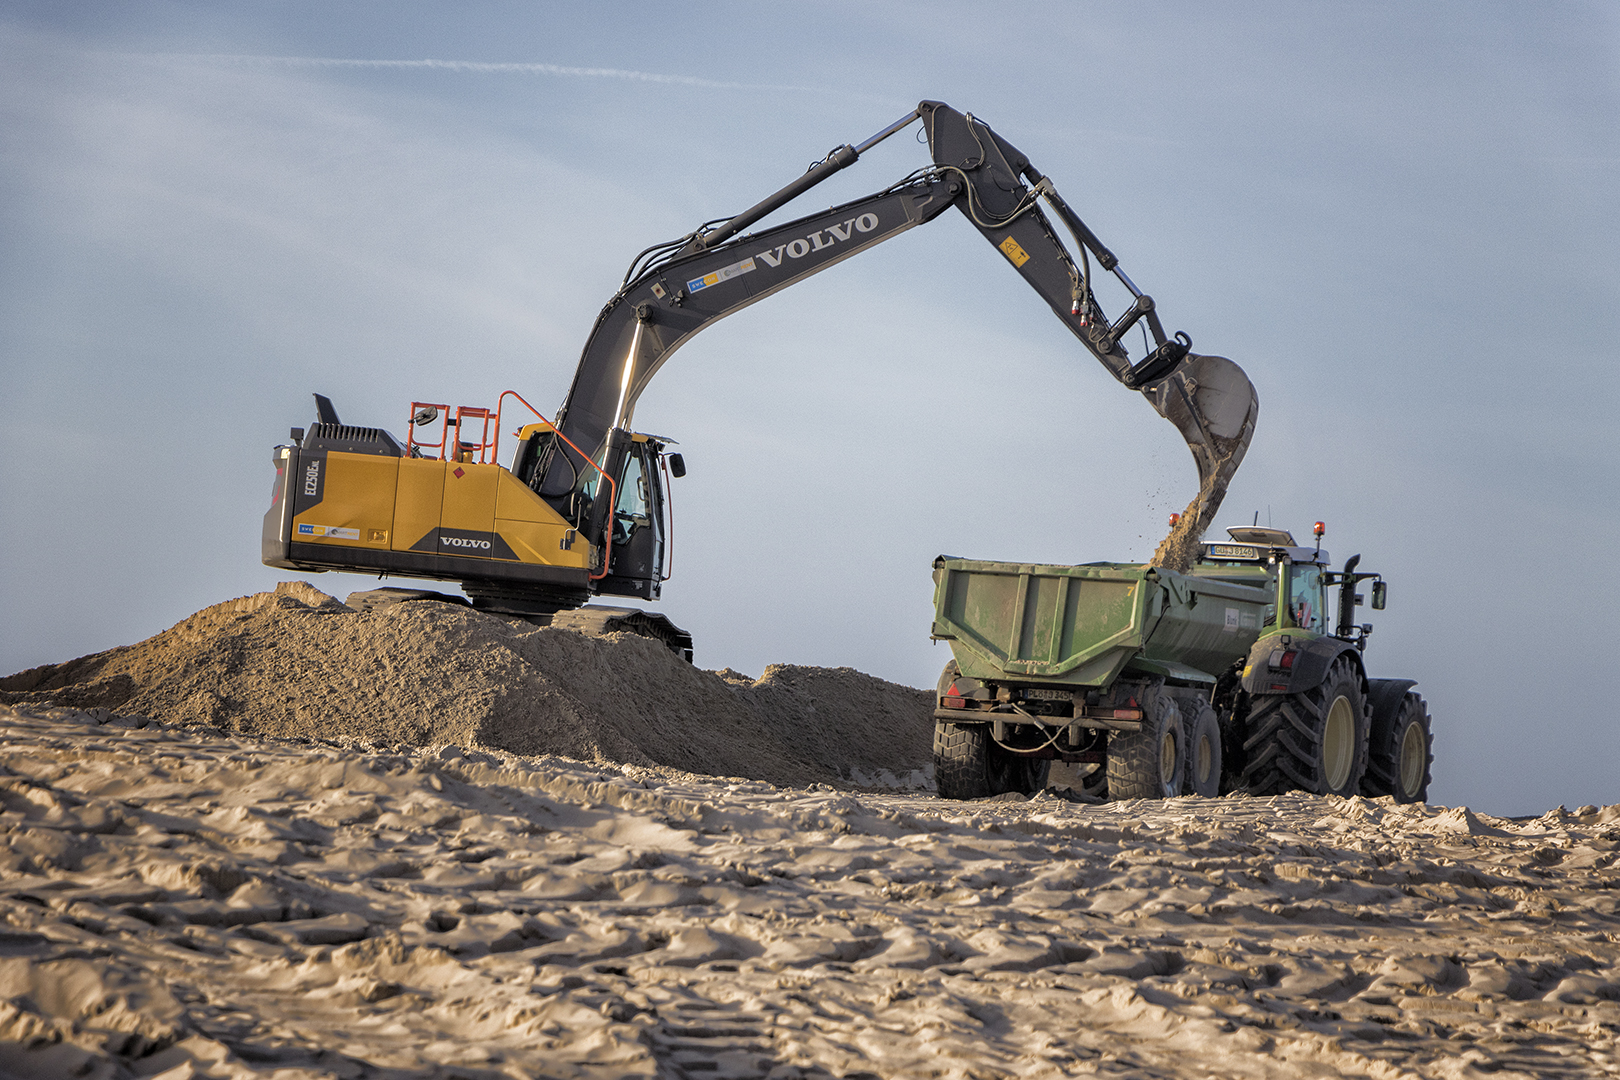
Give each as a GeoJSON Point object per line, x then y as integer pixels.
{"type": "Point", "coordinates": [636, 566]}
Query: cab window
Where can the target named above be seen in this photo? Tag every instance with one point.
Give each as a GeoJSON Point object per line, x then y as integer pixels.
{"type": "Point", "coordinates": [633, 489]}
{"type": "Point", "coordinates": [1305, 596]}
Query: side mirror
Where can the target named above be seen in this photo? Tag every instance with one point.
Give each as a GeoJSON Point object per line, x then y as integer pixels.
{"type": "Point", "coordinates": [1380, 595]}
{"type": "Point", "coordinates": [425, 415]}
{"type": "Point", "coordinates": [677, 466]}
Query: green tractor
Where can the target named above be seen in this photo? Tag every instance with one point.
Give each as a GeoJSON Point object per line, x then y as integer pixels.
{"type": "Point", "coordinates": [1144, 682]}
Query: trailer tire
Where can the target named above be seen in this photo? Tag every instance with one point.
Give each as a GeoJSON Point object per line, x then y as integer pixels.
{"type": "Point", "coordinates": [969, 765]}
{"type": "Point", "coordinates": [1095, 783]}
{"type": "Point", "coordinates": [1313, 741]}
{"type": "Point", "coordinates": [1150, 763]}
{"type": "Point", "coordinates": [960, 770]}
{"type": "Point", "coordinates": [1203, 771]}
{"type": "Point", "coordinates": [1401, 753]}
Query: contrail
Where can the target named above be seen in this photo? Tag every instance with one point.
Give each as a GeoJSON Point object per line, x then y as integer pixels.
{"type": "Point", "coordinates": [477, 66]}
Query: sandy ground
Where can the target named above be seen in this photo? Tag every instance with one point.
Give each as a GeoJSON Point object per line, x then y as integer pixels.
{"type": "Point", "coordinates": [181, 902]}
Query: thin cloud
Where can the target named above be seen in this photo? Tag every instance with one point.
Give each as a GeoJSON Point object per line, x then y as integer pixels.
{"type": "Point", "coordinates": [474, 66]}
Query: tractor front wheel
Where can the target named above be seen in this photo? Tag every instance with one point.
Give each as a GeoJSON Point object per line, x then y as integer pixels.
{"type": "Point", "coordinates": [1401, 753]}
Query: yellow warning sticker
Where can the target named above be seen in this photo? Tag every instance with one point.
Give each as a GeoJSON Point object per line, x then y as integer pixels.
{"type": "Point", "coordinates": [1011, 249]}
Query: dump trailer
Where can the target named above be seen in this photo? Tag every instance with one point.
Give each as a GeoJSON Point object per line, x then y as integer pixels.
{"type": "Point", "coordinates": [1155, 683]}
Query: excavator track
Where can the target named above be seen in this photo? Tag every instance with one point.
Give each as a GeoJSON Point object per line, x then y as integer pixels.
{"type": "Point", "coordinates": [592, 620]}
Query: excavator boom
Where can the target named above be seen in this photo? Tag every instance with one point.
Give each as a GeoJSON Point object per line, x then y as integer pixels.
{"type": "Point", "coordinates": [707, 275]}
{"type": "Point", "coordinates": [581, 510]}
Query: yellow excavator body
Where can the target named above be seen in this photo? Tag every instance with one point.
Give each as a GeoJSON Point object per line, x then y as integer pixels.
{"type": "Point", "coordinates": [418, 517]}
{"type": "Point", "coordinates": [421, 504]}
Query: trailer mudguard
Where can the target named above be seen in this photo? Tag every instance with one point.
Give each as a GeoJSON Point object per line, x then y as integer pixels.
{"type": "Point", "coordinates": [1313, 656]}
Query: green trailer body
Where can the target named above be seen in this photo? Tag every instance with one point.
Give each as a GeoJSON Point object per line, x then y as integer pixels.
{"type": "Point", "coordinates": [1082, 626]}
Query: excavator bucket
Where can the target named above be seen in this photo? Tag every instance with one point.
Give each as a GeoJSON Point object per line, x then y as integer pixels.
{"type": "Point", "coordinates": [1214, 406]}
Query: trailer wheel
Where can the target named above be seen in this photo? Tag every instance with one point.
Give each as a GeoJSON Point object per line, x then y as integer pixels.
{"type": "Point", "coordinates": [1314, 741]}
{"type": "Point", "coordinates": [1203, 773]}
{"type": "Point", "coordinates": [960, 761]}
{"type": "Point", "coordinates": [1400, 753]}
{"type": "Point", "coordinates": [1095, 783]}
{"type": "Point", "coordinates": [969, 765]}
{"type": "Point", "coordinates": [960, 770]}
{"type": "Point", "coordinates": [1150, 763]}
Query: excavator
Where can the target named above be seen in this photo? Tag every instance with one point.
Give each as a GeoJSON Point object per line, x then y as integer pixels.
{"type": "Point", "coordinates": [581, 509]}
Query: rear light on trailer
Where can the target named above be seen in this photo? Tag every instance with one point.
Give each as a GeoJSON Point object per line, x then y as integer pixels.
{"type": "Point", "coordinates": [1105, 713]}
{"type": "Point", "coordinates": [953, 698]}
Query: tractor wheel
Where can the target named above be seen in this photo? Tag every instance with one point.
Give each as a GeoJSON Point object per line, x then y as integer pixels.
{"type": "Point", "coordinates": [1400, 754]}
{"type": "Point", "coordinates": [969, 765]}
{"type": "Point", "coordinates": [1150, 763]}
{"type": "Point", "coordinates": [1203, 773]}
{"type": "Point", "coordinates": [1314, 741]}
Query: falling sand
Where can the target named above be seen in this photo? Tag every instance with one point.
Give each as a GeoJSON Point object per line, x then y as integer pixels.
{"type": "Point", "coordinates": [1179, 549]}
{"type": "Point", "coordinates": [1214, 405]}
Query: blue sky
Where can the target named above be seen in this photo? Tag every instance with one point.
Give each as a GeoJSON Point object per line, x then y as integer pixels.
{"type": "Point", "coordinates": [1399, 219]}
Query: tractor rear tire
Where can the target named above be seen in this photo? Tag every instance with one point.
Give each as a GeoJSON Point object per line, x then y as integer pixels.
{"type": "Point", "coordinates": [1150, 763]}
{"type": "Point", "coordinates": [969, 765]}
{"type": "Point", "coordinates": [1314, 741]}
{"type": "Point", "coordinates": [1401, 754]}
{"type": "Point", "coordinates": [1203, 772]}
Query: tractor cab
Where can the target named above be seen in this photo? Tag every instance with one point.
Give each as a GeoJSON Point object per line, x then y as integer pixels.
{"type": "Point", "coordinates": [1273, 559]}
{"type": "Point", "coordinates": [1299, 576]}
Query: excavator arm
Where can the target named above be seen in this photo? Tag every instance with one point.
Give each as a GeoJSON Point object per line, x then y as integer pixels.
{"type": "Point", "coordinates": [674, 290]}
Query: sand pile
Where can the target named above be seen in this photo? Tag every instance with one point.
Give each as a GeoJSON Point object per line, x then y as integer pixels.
{"type": "Point", "coordinates": [296, 662]}
{"type": "Point", "coordinates": [179, 903]}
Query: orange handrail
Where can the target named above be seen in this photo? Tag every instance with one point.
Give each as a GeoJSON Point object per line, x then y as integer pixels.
{"type": "Point", "coordinates": [484, 446]}
{"type": "Point", "coordinates": [444, 428]}
{"type": "Point", "coordinates": [613, 487]}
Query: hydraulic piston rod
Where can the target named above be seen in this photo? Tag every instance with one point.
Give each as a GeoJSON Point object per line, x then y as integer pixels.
{"type": "Point", "coordinates": [840, 158]}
